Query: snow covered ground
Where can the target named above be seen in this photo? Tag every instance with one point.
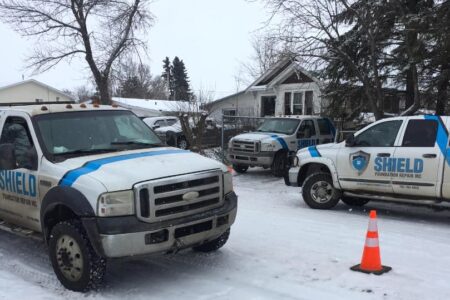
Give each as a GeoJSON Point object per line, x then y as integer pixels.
{"type": "Point", "coordinates": [278, 249]}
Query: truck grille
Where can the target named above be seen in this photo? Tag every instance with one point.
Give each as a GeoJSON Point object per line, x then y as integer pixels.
{"type": "Point", "coordinates": [245, 146]}
{"type": "Point", "coordinates": [179, 196]}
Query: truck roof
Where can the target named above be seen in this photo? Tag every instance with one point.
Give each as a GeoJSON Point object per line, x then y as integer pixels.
{"type": "Point", "coordinates": [40, 109]}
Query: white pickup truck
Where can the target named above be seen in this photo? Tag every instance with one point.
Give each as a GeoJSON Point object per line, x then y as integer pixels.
{"type": "Point", "coordinates": [401, 159]}
{"type": "Point", "coordinates": [94, 182]}
{"type": "Point", "coordinates": [276, 139]}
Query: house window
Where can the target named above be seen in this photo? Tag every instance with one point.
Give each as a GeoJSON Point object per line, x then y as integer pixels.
{"type": "Point", "coordinates": [229, 112]}
{"type": "Point", "coordinates": [297, 107]}
{"type": "Point", "coordinates": [287, 104]}
{"type": "Point", "coordinates": [309, 102]}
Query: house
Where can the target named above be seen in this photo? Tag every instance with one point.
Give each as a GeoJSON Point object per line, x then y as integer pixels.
{"type": "Point", "coordinates": [284, 89]}
{"type": "Point", "coordinates": [32, 91]}
{"type": "Point", "coordinates": [152, 107]}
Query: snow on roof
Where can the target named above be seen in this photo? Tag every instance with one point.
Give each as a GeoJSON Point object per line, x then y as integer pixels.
{"type": "Point", "coordinates": [153, 104]}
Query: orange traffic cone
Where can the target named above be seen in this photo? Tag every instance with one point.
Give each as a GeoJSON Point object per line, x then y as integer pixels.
{"type": "Point", "coordinates": [371, 260]}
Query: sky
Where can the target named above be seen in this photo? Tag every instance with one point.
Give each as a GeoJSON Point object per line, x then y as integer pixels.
{"type": "Point", "coordinates": [211, 36]}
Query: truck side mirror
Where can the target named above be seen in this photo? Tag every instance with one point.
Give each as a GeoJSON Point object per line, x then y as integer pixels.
{"type": "Point", "coordinates": [350, 140]}
{"type": "Point", "coordinates": [7, 157]}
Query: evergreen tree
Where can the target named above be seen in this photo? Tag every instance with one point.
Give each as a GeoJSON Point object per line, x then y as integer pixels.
{"type": "Point", "coordinates": [182, 90]}
{"type": "Point", "coordinates": [177, 80]}
{"type": "Point", "coordinates": [132, 87]}
{"type": "Point", "coordinates": [168, 77]}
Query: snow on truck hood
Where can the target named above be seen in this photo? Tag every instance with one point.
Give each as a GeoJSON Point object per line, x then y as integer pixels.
{"type": "Point", "coordinates": [258, 136]}
{"type": "Point", "coordinates": [121, 170]}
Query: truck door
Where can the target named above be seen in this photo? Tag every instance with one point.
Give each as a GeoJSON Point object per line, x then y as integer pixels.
{"type": "Point", "coordinates": [418, 161]}
{"type": "Point", "coordinates": [19, 195]}
{"type": "Point", "coordinates": [307, 134]}
{"type": "Point", "coordinates": [356, 164]}
{"type": "Point", "coordinates": [326, 131]}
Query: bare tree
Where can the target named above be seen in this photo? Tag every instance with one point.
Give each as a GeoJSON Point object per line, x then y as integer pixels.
{"type": "Point", "coordinates": [267, 51]}
{"type": "Point", "coordinates": [101, 31]}
{"type": "Point", "coordinates": [193, 118]}
{"type": "Point", "coordinates": [315, 31]}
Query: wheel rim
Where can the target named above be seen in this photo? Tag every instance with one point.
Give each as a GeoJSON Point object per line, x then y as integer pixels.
{"type": "Point", "coordinates": [182, 144]}
{"type": "Point", "coordinates": [321, 192]}
{"type": "Point", "coordinates": [69, 258]}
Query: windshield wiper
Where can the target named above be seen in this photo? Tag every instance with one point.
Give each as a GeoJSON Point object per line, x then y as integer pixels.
{"type": "Point", "coordinates": [85, 151]}
{"type": "Point", "coordinates": [136, 143]}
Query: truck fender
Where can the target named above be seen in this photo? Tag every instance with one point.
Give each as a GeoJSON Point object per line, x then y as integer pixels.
{"type": "Point", "coordinates": [326, 162]}
{"type": "Point", "coordinates": [72, 201]}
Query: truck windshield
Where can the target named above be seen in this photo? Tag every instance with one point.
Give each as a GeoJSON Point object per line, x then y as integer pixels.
{"type": "Point", "coordinates": [284, 126]}
{"type": "Point", "coordinates": [71, 134]}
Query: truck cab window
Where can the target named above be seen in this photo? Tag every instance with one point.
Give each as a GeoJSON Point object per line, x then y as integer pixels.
{"type": "Point", "coordinates": [380, 135]}
{"type": "Point", "coordinates": [306, 130]}
{"type": "Point", "coordinates": [420, 133]}
{"type": "Point", "coordinates": [16, 132]}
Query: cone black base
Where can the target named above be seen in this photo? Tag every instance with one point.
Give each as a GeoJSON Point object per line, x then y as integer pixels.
{"type": "Point", "coordinates": [384, 269]}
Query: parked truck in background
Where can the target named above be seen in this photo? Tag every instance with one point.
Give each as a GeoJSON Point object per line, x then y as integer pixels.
{"type": "Point", "coordinates": [276, 139]}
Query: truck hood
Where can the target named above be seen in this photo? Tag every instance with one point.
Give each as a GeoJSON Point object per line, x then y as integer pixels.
{"type": "Point", "coordinates": [121, 170]}
{"type": "Point", "coordinates": [175, 128]}
{"type": "Point", "coordinates": [258, 136]}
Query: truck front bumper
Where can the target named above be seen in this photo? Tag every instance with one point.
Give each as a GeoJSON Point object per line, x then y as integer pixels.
{"type": "Point", "coordinates": [128, 236]}
{"type": "Point", "coordinates": [291, 176]}
{"type": "Point", "coordinates": [261, 159]}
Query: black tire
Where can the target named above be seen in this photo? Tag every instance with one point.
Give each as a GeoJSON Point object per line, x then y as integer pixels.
{"type": "Point", "coordinates": [182, 143]}
{"type": "Point", "coordinates": [215, 244]}
{"type": "Point", "coordinates": [357, 202]}
{"type": "Point", "coordinates": [280, 164]}
{"type": "Point", "coordinates": [240, 168]}
{"type": "Point", "coordinates": [68, 244]}
{"type": "Point", "coordinates": [318, 191]}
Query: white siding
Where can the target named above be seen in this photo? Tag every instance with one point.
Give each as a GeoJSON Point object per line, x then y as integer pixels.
{"type": "Point", "coordinates": [245, 105]}
{"type": "Point", "coordinates": [29, 92]}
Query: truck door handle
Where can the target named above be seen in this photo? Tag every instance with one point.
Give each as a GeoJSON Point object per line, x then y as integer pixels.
{"type": "Point", "coordinates": [383, 154]}
{"type": "Point", "coordinates": [429, 155]}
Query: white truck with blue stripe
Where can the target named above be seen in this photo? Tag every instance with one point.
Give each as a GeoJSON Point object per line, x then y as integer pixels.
{"type": "Point", "coordinates": [401, 159]}
{"type": "Point", "coordinates": [276, 139]}
{"type": "Point", "coordinates": [95, 182]}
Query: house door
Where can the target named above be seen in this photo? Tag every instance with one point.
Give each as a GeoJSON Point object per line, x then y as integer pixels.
{"type": "Point", "coordinates": [268, 106]}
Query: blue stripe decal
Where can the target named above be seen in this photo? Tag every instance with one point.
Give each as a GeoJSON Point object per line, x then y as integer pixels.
{"type": "Point", "coordinates": [314, 152]}
{"type": "Point", "coordinates": [442, 137]}
{"type": "Point", "coordinates": [92, 166]}
{"type": "Point", "coordinates": [281, 141]}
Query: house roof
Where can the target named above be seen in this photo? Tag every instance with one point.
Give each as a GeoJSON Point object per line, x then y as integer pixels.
{"type": "Point", "coordinates": [37, 83]}
{"type": "Point", "coordinates": [226, 97]}
{"type": "Point", "coordinates": [277, 74]}
{"type": "Point", "coordinates": [154, 104]}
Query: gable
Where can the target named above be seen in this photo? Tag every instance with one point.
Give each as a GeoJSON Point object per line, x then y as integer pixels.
{"type": "Point", "coordinates": [297, 77]}
{"type": "Point", "coordinates": [275, 74]}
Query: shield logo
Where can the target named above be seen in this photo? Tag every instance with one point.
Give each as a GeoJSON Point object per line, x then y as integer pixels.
{"type": "Point", "coordinates": [359, 161]}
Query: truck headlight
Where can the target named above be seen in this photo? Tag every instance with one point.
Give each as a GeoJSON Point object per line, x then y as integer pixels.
{"type": "Point", "coordinates": [227, 182]}
{"type": "Point", "coordinates": [116, 204]}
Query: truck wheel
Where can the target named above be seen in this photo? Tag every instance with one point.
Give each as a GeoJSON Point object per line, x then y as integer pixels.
{"type": "Point", "coordinates": [279, 165]}
{"type": "Point", "coordinates": [214, 244]}
{"type": "Point", "coordinates": [182, 143]}
{"type": "Point", "coordinates": [73, 258]}
{"type": "Point", "coordinates": [318, 191]}
{"type": "Point", "coordinates": [240, 168]}
{"type": "Point", "coordinates": [351, 201]}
